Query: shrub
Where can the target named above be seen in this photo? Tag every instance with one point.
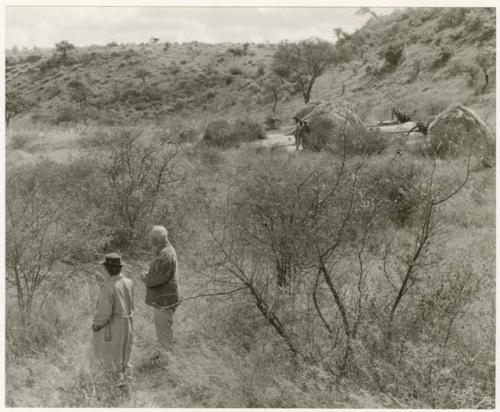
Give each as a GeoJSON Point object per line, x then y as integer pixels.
{"type": "Point", "coordinates": [363, 142]}
{"type": "Point", "coordinates": [398, 185]}
{"type": "Point", "coordinates": [272, 123]}
{"type": "Point", "coordinates": [217, 133]}
{"type": "Point", "coordinates": [445, 54]}
{"type": "Point", "coordinates": [174, 68]}
{"type": "Point", "coordinates": [222, 134]}
{"type": "Point", "coordinates": [451, 17]}
{"type": "Point", "coordinates": [236, 51]}
{"type": "Point", "coordinates": [21, 140]}
{"type": "Point", "coordinates": [66, 114]}
{"type": "Point", "coordinates": [235, 71]}
{"type": "Point", "coordinates": [33, 58]}
{"type": "Point", "coordinates": [393, 55]}
{"type": "Point", "coordinates": [247, 131]}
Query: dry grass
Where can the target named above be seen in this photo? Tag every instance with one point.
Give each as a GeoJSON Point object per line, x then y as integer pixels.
{"type": "Point", "coordinates": [201, 371]}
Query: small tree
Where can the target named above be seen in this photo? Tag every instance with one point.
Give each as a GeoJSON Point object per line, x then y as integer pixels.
{"type": "Point", "coordinates": [274, 86]}
{"type": "Point", "coordinates": [303, 62]}
{"type": "Point", "coordinates": [80, 93]}
{"type": "Point", "coordinates": [35, 230]}
{"type": "Point", "coordinates": [485, 59]}
{"type": "Point", "coordinates": [63, 47]}
{"type": "Point", "coordinates": [341, 34]}
{"type": "Point", "coordinates": [142, 74]}
{"type": "Point", "coordinates": [15, 104]}
{"type": "Point", "coordinates": [136, 175]}
{"type": "Point", "coordinates": [366, 10]}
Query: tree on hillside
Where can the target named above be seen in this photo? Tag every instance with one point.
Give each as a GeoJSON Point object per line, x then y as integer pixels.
{"type": "Point", "coordinates": [14, 104]}
{"type": "Point", "coordinates": [341, 34]}
{"type": "Point", "coordinates": [486, 59]}
{"type": "Point", "coordinates": [142, 74]}
{"type": "Point", "coordinates": [366, 10]}
{"type": "Point", "coordinates": [273, 86]}
{"type": "Point", "coordinates": [303, 62]}
{"type": "Point", "coordinates": [80, 93]}
{"type": "Point", "coordinates": [63, 47]}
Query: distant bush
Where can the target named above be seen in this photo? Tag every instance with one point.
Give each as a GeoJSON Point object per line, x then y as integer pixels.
{"type": "Point", "coordinates": [272, 123]}
{"type": "Point", "coordinates": [67, 114]}
{"type": "Point", "coordinates": [362, 142]}
{"type": "Point", "coordinates": [21, 140]}
{"type": "Point", "coordinates": [445, 54]}
{"type": "Point", "coordinates": [235, 71]}
{"type": "Point", "coordinates": [393, 55]}
{"type": "Point", "coordinates": [247, 131]}
{"type": "Point", "coordinates": [174, 69]}
{"type": "Point", "coordinates": [398, 186]}
{"type": "Point", "coordinates": [112, 44]}
{"type": "Point", "coordinates": [129, 94]}
{"type": "Point", "coordinates": [451, 17]}
{"type": "Point", "coordinates": [260, 71]}
{"type": "Point", "coordinates": [217, 133]}
{"type": "Point", "coordinates": [33, 58]}
{"type": "Point", "coordinates": [345, 52]}
{"type": "Point", "coordinates": [48, 64]}
{"type": "Point", "coordinates": [236, 51]}
{"type": "Point", "coordinates": [220, 133]}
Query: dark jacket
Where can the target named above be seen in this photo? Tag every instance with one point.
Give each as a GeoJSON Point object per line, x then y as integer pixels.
{"type": "Point", "coordinates": [161, 279]}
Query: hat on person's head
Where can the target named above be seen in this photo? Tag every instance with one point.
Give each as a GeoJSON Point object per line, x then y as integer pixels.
{"type": "Point", "coordinates": [112, 260]}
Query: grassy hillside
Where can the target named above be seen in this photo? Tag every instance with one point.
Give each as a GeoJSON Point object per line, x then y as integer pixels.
{"type": "Point", "coordinates": [337, 280]}
{"type": "Point", "coordinates": [149, 82]}
{"type": "Point", "coordinates": [440, 49]}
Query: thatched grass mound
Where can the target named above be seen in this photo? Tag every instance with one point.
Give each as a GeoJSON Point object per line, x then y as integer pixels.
{"type": "Point", "coordinates": [458, 130]}
{"type": "Point", "coordinates": [328, 125]}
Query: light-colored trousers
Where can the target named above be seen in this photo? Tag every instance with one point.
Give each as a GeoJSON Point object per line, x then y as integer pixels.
{"type": "Point", "coordinates": [163, 319]}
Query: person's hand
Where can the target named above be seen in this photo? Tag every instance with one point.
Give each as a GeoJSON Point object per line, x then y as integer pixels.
{"type": "Point", "coordinates": [95, 328]}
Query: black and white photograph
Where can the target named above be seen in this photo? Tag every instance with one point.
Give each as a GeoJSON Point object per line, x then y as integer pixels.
{"type": "Point", "coordinates": [249, 205]}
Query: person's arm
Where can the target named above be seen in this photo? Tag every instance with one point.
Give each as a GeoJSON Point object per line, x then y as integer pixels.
{"type": "Point", "coordinates": [104, 309]}
{"type": "Point", "coordinates": [161, 271]}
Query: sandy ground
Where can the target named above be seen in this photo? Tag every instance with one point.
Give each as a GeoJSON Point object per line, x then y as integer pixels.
{"type": "Point", "coordinates": [394, 132]}
{"type": "Point", "coordinates": [279, 139]}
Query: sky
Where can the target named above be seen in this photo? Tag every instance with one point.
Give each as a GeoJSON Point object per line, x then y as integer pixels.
{"type": "Point", "coordinates": [45, 26]}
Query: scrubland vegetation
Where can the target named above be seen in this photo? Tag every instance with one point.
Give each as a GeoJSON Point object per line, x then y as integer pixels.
{"type": "Point", "coordinates": [353, 277]}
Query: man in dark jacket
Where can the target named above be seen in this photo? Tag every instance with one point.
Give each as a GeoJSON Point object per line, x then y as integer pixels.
{"type": "Point", "coordinates": [161, 285]}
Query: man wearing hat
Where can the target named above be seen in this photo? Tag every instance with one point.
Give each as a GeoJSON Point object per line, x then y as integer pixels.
{"type": "Point", "coordinates": [112, 326]}
{"type": "Point", "coordinates": [161, 285]}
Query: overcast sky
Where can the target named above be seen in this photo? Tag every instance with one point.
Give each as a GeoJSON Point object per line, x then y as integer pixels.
{"type": "Point", "coordinates": [44, 26]}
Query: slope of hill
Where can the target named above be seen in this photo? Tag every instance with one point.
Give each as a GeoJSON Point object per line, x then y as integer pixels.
{"type": "Point", "coordinates": [442, 54]}
{"type": "Point", "coordinates": [446, 55]}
